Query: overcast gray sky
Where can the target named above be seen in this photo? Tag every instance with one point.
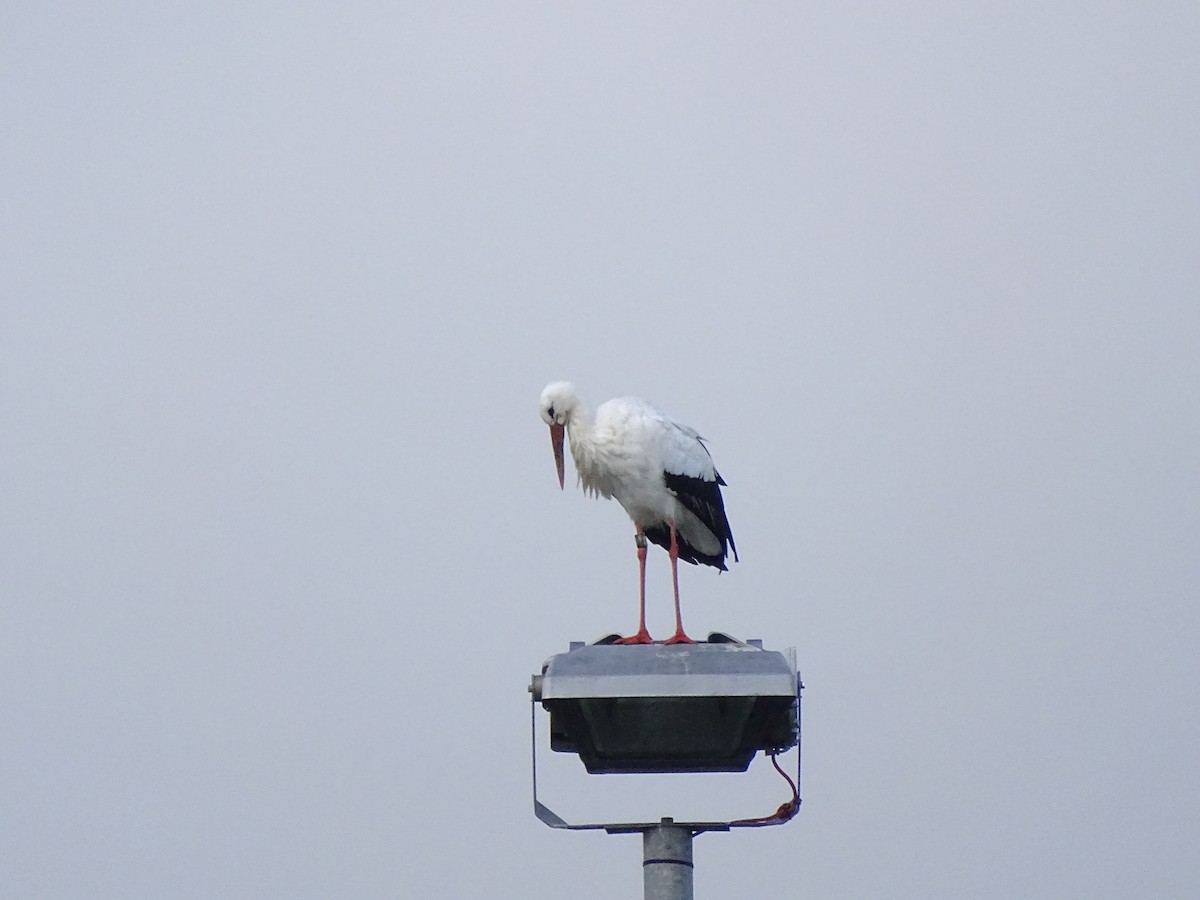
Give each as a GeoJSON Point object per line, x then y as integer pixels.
{"type": "Point", "coordinates": [280, 537]}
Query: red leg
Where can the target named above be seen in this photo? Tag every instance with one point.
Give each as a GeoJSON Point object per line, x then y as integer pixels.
{"type": "Point", "coordinates": [679, 637]}
{"type": "Point", "coordinates": [642, 636]}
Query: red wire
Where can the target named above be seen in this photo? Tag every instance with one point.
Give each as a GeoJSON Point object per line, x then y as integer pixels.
{"type": "Point", "coordinates": [786, 811]}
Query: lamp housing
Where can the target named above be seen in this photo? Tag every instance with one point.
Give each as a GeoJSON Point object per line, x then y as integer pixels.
{"type": "Point", "coordinates": [640, 708]}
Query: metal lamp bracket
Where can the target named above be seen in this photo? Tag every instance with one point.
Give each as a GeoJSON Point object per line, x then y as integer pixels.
{"type": "Point", "coordinates": [554, 820]}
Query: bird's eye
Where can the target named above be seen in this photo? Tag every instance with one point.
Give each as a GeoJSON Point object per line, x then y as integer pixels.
{"type": "Point", "coordinates": [551, 412]}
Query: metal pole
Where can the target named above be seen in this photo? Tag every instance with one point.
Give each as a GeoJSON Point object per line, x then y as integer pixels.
{"type": "Point", "coordinates": [667, 861]}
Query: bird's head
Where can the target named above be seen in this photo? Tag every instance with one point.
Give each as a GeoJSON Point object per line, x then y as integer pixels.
{"type": "Point", "coordinates": [559, 401]}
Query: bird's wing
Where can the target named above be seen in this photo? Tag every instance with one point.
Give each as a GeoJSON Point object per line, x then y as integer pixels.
{"type": "Point", "coordinates": [690, 475]}
{"type": "Point", "coordinates": [684, 453]}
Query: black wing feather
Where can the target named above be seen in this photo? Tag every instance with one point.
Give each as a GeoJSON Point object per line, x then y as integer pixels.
{"type": "Point", "coordinates": [703, 499]}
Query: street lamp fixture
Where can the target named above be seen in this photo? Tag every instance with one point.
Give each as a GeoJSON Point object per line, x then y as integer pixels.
{"type": "Point", "coordinates": [707, 707]}
{"type": "Point", "coordinates": [655, 708]}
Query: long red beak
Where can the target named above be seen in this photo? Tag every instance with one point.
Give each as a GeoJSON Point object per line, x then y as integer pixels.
{"type": "Point", "coordinates": [556, 441]}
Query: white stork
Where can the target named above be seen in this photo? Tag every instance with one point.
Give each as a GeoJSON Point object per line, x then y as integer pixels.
{"type": "Point", "coordinates": [657, 469]}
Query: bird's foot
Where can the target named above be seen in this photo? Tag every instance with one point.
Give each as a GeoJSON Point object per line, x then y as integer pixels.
{"type": "Point", "coordinates": [679, 638]}
{"type": "Point", "coordinates": [642, 637]}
